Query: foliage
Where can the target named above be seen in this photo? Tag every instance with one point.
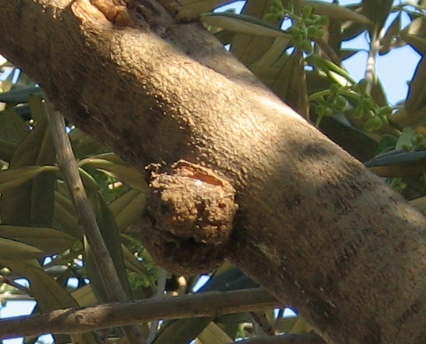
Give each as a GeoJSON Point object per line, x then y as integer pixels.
{"type": "Point", "coordinates": [40, 236]}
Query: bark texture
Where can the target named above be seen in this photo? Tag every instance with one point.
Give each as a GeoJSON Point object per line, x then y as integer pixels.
{"type": "Point", "coordinates": [313, 225]}
{"type": "Point", "coordinates": [86, 319]}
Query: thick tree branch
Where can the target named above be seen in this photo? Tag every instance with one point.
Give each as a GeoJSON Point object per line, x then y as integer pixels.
{"type": "Point", "coordinates": [120, 314]}
{"type": "Point", "coordinates": [313, 225]}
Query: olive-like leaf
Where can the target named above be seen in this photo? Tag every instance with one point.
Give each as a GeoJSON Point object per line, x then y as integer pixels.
{"type": "Point", "coordinates": [48, 240]}
{"type": "Point", "coordinates": [249, 48]}
{"type": "Point", "coordinates": [213, 334]}
{"type": "Point", "coordinates": [85, 296]}
{"type": "Point", "coordinates": [7, 148]}
{"type": "Point", "coordinates": [389, 37]}
{"type": "Point", "coordinates": [20, 95]}
{"type": "Point", "coordinates": [114, 166]}
{"type": "Point", "coordinates": [335, 11]}
{"type": "Point", "coordinates": [242, 24]}
{"type": "Point", "coordinates": [65, 216]}
{"type": "Point", "coordinates": [128, 208]}
{"type": "Point", "coordinates": [12, 126]}
{"type": "Point", "coordinates": [398, 163]}
{"type": "Point", "coordinates": [11, 249]}
{"type": "Point", "coordinates": [110, 234]}
{"type": "Point", "coordinates": [10, 179]}
{"type": "Point", "coordinates": [32, 203]}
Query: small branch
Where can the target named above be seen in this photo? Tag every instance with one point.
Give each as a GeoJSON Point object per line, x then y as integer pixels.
{"type": "Point", "coordinates": [262, 321]}
{"type": "Point", "coordinates": [69, 168]}
{"type": "Point", "coordinates": [84, 319]}
{"type": "Point", "coordinates": [161, 287]}
{"type": "Point", "coordinates": [370, 70]}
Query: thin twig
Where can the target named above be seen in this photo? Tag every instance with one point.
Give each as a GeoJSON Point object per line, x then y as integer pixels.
{"type": "Point", "coordinates": [370, 70]}
{"type": "Point", "coordinates": [209, 304]}
{"type": "Point", "coordinates": [161, 287]}
{"type": "Point", "coordinates": [86, 216]}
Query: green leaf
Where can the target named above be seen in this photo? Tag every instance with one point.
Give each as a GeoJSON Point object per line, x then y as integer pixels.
{"type": "Point", "coordinates": [354, 141]}
{"type": "Point", "coordinates": [398, 163]}
{"type": "Point", "coordinates": [213, 334]}
{"type": "Point", "coordinates": [12, 126]}
{"type": "Point", "coordinates": [38, 112]}
{"type": "Point", "coordinates": [65, 216]}
{"type": "Point", "coordinates": [110, 234]}
{"type": "Point", "coordinates": [115, 167]}
{"type": "Point", "coordinates": [128, 208]}
{"type": "Point", "coordinates": [31, 203]}
{"type": "Point", "coordinates": [45, 290]}
{"type": "Point", "coordinates": [335, 11]}
{"type": "Point", "coordinates": [249, 48]}
{"type": "Point", "coordinates": [49, 294]}
{"type": "Point", "coordinates": [200, 6]}
{"type": "Point", "coordinates": [405, 140]}
{"type": "Point", "coordinates": [85, 296]}
{"type": "Point", "coordinates": [242, 24]}
{"type": "Point", "coordinates": [20, 95]}
{"type": "Point", "coordinates": [7, 148]}
{"type": "Point", "coordinates": [50, 241]}
{"type": "Point", "coordinates": [413, 34]}
{"type": "Point", "coordinates": [388, 39]}
{"type": "Point", "coordinates": [85, 145]}
{"type": "Point", "coordinates": [10, 179]}
{"type": "Point", "coordinates": [11, 249]}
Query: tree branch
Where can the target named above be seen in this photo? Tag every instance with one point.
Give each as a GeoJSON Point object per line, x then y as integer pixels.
{"type": "Point", "coordinates": [120, 314]}
{"type": "Point", "coordinates": [101, 256]}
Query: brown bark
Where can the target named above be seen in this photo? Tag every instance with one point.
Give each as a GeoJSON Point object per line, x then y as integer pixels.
{"type": "Point", "coordinates": [213, 304]}
{"type": "Point", "coordinates": [313, 225]}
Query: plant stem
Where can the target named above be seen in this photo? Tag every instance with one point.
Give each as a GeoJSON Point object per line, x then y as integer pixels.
{"type": "Point", "coordinates": [86, 216]}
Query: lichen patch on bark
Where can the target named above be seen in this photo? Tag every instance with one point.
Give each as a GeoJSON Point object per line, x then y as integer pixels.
{"type": "Point", "coordinates": [189, 218]}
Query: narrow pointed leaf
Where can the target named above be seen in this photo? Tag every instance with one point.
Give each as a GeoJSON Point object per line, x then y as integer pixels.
{"type": "Point", "coordinates": [200, 6]}
{"type": "Point", "coordinates": [391, 32]}
{"type": "Point", "coordinates": [12, 126]}
{"type": "Point", "coordinates": [335, 11]}
{"type": "Point", "coordinates": [398, 163]}
{"type": "Point", "coordinates": [85, 296]}
{"type": "Point", "coordinates": [213, 334]}
{"type": "Point", "coordinates": [20, 95]}
{"type": "Point", "coordinates": [10, 179]}
{"type": "Point", "coordinates": [32, 203]}
{"type": "Point", "coordinates": [242, 24]}
{"type": "Point", "coordinates": [65, 216]}
{"type": "Point", "coordinates": [115, 167]}
{"type": "Point", "coordinates": [11, 249]}
{"type": "Point", "coordinates": [7, 148]}
{"type": "Point", "coordinates": [48, 240]}
{"type": "Point", "coordinates": [110, 234]}
{"type": "Point", "coordinates": [128, 208]}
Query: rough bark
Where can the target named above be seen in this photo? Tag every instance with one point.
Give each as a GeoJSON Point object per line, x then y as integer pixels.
{"type": "Point", "coordinates": [313, 225]}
